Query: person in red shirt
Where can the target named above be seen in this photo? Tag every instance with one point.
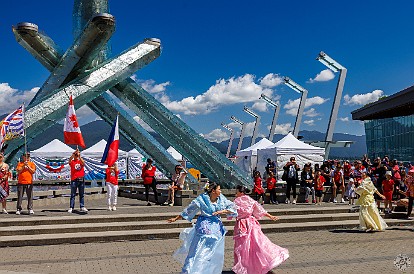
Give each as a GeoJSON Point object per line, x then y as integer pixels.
{"type": "Point", "coordinates": [318, 180]}
{"type": "Point", "coordinates": [111, 179]}
{"type": "Point", "coordinates": [25, 170]}
{"type": "Point", "coordinates": [77, 180]}
{"type": "Point", "coordinates": [387, 190]}
{"type": "Point", "coordinates": [409, 181]}
{"type": "Point", "coordinates": [271, 187]}
{"type": "Point", "coordinates": [258, 189]}
{"type": "Point", "coordinates": [148, 175]}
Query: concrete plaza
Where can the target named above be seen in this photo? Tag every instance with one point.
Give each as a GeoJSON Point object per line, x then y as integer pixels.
{"type": "Point", "coordinates": [323, 251]}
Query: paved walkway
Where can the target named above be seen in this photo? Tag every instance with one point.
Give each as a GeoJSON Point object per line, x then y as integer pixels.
{"type": "Point", "coordinates": [346, 251]}
{"type": "Point", "coordinates": [310, 252]}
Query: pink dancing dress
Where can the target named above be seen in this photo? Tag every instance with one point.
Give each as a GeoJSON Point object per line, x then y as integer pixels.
{"type": "Point", "coordinates": [254, 253]}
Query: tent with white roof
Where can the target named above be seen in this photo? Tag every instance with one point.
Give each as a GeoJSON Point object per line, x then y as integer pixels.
{"type": "Point", "coordinates": [94, 169]}
{"type": "Point", "coordinates": [55, 149]}
{"type": "Point", "coordinates": [175, 154]}
{"type": "Point", "coordinates": [246, 159]}
{"type": "Point", "coordinates": [287, 147]}
{"type": "Point", "coordinates": [51, 161]}
{"type": "Point", "coordinates": [98, 149]}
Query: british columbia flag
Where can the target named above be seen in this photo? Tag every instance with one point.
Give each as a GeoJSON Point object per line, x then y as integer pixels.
{"type": "Point", "coordinates": [12, 126]}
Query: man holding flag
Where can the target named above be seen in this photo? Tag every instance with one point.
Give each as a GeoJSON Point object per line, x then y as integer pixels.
{"type": "Point", "coordinates": [110, 157]}
{"type": "Point", "coordinates": [73, 136]}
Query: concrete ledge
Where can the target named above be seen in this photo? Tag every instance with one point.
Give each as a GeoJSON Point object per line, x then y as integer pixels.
{"type": "Point", "coordinates": [172, 232]}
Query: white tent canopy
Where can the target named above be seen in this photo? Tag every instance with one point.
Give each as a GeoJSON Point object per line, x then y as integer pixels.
{"type": "Point", "coordinates": [134, 153]}
{"type": "Point", "coordinates": [284, 149]}
{"type": "Point", "coordinates": [54, 149]}
{"type": "Point", "coordinates": [252, 150]}
{"type": "Point", "coordinates": [291, 145]}
{"type": "Point", "coordinates": [175, 154]}
{"type": "Point", "coordinates": [97, 150]}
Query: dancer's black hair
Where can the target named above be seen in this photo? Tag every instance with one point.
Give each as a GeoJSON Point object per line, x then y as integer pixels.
{"type": "Point", "coordinates": [243, 189]}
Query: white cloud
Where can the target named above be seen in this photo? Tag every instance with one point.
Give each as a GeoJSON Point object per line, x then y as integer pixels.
{"type": "Point", "coordinates": [217, 135]}
{"type": "Point", "coordinates": [344, 119]}
{"type": "Point", "coordinates": [152, 87]}
{"type": "Point", "coordinates": [311, 113]}
{"type": "Point", "coordinates": [11, 98]}
{"type": "Point", "coordinates": [235, 90]}
{"type": "Point", "coordinates": [309, 122]}
{"type": "Point", "coordinates": [271, 80]}
{"type": "Point", "coordinates": [362, 99]}
{"type": "Point", "coordinates": [292, 106]}
{"type": "Point", "coordinates": [282, 128]}
{"type": "Point", "coordinates": [323, 76]}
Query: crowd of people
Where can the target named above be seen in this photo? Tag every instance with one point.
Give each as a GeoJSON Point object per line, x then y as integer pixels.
{"type": "Point", "coordinates": [392, 179]}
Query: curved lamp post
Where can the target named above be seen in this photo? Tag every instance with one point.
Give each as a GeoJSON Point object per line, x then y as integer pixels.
{"type": "Point", "coordinates": [243, 125]}
{"type": "Point", "coordinates": [296, 87]}
{"type": "Point", "coordinates": [256, 124]}
{"type": "Point", "coordinates": [275, 115]}
{"type": "Point", "coordinates": [231, 138]}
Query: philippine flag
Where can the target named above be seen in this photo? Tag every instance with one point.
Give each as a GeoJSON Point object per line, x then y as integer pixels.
{"type": "Point", "coordinates": [111, 150]}
{"type": "Point", "coordinates": [71, 129]}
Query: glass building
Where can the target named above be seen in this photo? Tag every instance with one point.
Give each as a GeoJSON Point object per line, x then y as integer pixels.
{"type": "Point", "coordinates": [389, 126]}
{"type": "Point", "coordinates": [391, 136]}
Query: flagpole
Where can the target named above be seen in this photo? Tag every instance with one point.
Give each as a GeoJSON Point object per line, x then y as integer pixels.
{"type": "Point", "coordinates": [24, 132]}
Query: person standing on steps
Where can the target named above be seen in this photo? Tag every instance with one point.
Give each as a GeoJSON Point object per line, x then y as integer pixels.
{"type": "Point", "coordinates": [4, 183]}
{"type": "Point", "coordinates": [111, 179]}
{"type": "Point", "coordinates": [148, 175]}
{"type": "Point", "coordinates": [77, 180]}
{"type": "Point", "coordinates": [25, 170]}
{"type": "Point", "coordinates": [291, 170]}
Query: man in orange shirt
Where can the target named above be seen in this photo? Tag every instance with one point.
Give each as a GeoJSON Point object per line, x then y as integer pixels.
{"type": "Point", "coordinates": [25, 170]}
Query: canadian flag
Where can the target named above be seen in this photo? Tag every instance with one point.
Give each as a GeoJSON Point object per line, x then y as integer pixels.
{"type": "Point", "coordinates": [71, 129]}
{"type": "Point", "coordinates": [111, 150]}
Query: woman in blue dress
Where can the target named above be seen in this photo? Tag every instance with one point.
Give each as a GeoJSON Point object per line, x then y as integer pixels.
{"type": "Point", "coordinates": [202, 251]}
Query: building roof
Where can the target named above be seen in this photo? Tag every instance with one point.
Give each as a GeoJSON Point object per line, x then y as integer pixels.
{"type": "Point", "coordinates": [396, 105]}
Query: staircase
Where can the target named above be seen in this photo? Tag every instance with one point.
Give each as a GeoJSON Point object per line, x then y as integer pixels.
{"type": "Point", "coordinates": [145, 223]}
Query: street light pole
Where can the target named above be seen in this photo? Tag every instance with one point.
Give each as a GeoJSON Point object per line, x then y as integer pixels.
{"type": "Point", "coordinates": [336, 67]}
{"type": "Point", "coordinates": [231, 138]}
{"type": "Point", "coordinates": [296, 87]}
{"type": "Point", "coordinates": [275, 115]}
{"type": "Point", "coordinates": [256, 125]}
{"type": "Point", "coordinates": [243, 125]}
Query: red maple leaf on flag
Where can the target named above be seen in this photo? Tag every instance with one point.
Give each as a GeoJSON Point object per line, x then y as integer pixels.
{"type": "Point", "coordinates": [74, 121]}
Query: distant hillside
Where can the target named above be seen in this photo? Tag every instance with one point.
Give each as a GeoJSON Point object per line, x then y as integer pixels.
{"type": "Point", "coordinates": [97, 130]}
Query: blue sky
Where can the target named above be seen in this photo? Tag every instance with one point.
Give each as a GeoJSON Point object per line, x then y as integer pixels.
{"type": "Point", "coordinates": [221, 55]}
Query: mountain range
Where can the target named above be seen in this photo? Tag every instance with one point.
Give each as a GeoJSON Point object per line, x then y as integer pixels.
{"type": "Point", "coordinates": [95, 131]}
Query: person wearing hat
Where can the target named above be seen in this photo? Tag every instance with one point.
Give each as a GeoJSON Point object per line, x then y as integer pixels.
{"type": "Point", "coordinates": [409, 181]}
{"type": "Point", "coordinates": [387, 190]}
{"type": "Point", "coordinates": [350, 191]}
{"type": "Point", "coordinates": [25, 170]}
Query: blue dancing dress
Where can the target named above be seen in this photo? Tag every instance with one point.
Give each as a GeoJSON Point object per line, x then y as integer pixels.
{"type": "Point", "coordinates": [202, 251]}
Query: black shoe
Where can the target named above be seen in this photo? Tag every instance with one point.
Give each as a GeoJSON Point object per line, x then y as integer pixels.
{"type": "Point", "coordinates": [149, 204]}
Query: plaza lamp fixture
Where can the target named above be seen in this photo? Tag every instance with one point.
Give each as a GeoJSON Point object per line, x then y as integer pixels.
{"type": "Point", "coordinates": [243, 128]}
{"type": "Point", "coordinates": [335, 67]}
{"type": "Point", "coordinates": [256, 124]}
{"type": "Point", "coordinates": [299, 89]}
{"type": "Point", "coordinates": [231, 138]}
{"type": "Point", "coordinates": [275, 115]}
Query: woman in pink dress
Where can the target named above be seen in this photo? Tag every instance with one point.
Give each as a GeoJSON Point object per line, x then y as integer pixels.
{"type": "Point", "coordinates": [254, 253]}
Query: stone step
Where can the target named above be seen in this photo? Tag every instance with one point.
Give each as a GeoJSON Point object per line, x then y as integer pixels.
{"type": "Point", "coordinates": [34, 220]}
{"type": "Point", "coordinates": [147, 225]}
{"type": "Point", "coordinates": [172, 232]}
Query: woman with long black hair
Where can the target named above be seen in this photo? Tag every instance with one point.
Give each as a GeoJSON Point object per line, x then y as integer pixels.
{"type": "Point", "coordinates": [202, 250]}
